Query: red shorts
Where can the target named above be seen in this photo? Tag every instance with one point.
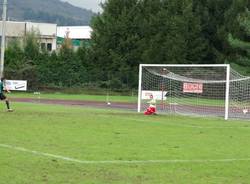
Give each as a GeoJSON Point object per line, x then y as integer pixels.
{"type": "Point", "coordinates": [150, 111]}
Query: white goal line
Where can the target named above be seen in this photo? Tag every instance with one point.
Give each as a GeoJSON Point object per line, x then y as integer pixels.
{"type": "Point", "coordinates": [121, 161]}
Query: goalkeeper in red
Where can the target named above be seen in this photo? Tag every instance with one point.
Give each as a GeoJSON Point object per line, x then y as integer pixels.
{"type": "Point", "coordinates": [151, 110]}
{"type": "Point", "coordinates": [2, 95]}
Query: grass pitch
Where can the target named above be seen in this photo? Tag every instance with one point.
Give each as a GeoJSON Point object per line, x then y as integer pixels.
{"type": "Point", "coordinates": [57, 144]}
{"type": "Point", "coordinates": [61, 96]}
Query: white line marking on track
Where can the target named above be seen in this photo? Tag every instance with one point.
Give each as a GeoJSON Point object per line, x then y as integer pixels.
{"type": "Point", "coordinates": [120, 161]}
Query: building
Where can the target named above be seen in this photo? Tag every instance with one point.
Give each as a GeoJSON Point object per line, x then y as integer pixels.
{"type": "Point", "coordinates": [47, 32]}
{"type": "Point", "coordinates": [51, 36]}
{"type": "Point", "coordinates": [80, 35]}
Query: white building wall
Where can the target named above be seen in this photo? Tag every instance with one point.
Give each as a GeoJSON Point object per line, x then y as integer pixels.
{"type": "Point", "coordinates": [46, 31]}
{"type": "Point", "coordinates": [75, 32]}
{"type": "Point", "coordinates": [13, 29]}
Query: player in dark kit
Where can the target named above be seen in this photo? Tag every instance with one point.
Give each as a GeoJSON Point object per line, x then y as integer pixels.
{"type": "Point", "coordinates": [2, 96]}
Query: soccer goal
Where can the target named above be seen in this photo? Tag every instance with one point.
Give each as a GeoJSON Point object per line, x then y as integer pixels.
{"type": "Point", "coordinates": [201, 90]}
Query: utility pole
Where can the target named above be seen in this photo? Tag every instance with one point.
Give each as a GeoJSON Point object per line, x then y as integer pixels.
{"type": "Point", "coordinates": [3, 37]}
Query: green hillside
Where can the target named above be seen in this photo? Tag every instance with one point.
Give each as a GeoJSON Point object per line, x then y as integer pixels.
{"type": "Point", "coordinates": [52, 11]}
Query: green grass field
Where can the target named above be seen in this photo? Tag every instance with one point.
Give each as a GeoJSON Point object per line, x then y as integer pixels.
{"type": "Point", "coordinates": [72, 145]}
{"type": "Point", "coordinates": [62, 96]}
{"type": "Point", "coordinates": [126, 99]}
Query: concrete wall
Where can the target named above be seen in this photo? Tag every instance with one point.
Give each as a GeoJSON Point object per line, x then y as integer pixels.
{"type": "Point", "coordinates": [46, 31]}
{"type": "Point", "coordinates": [14, 29]}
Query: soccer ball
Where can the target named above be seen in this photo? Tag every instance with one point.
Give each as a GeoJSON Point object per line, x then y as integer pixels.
{"type": "Point", "coordinates": [108, 103]}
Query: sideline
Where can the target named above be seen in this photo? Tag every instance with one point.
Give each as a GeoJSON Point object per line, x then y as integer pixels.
{"type": "Point", "coordinates": [119, 162]}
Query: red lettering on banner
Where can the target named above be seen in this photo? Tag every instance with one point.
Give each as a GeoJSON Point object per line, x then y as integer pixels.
{"type": "Point", "coordinates": [150, 95]}
{"type": "Point", "coordinates": [192, 88]}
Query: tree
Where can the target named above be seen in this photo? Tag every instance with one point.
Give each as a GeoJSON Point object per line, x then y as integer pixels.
{"type": "Point", "coordinates": [31, 45]}
{"type": "Point", "coordinates": [115, 40]}
{"type": "Point", "coordinates": [241, 44]}
{"type": "Point", "coordinates": [22, 57]}
{"type": "Point", "coordinates": [174, 34]}
{"type": "Point", "coordinates": [148, 31]}
{"type": "Point", "coordinates": [213, 18]}
{"type": "Point", "coordinates": [14, 59]}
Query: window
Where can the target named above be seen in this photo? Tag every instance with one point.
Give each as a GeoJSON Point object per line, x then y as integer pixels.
{"type": "Point", "coordinates": [49, 47]}
{"type": "Point", "coordinates": [43, 46]}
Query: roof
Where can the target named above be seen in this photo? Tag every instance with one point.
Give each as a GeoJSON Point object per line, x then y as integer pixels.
{"type": "Point", "coordinates": [75, 32]}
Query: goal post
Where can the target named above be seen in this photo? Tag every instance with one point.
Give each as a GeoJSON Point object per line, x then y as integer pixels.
{"type": "Point", "coordinates": [227, 92]}
{"type": "Point", "coordinates": [199, 90]}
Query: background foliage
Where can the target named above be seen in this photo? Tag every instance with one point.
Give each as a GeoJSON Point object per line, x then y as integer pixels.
{"type": "Point", "coordinates": [131, 32]}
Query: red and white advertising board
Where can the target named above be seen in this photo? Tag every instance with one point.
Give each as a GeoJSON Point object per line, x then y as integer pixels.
{"type": "Point", "coordinates": [193, 88]}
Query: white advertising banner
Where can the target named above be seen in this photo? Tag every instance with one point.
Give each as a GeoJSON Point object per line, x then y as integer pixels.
{"type": "Point", "coordinates": [157, 95]}
{"type": "Point", "coordinates": [16, 85]}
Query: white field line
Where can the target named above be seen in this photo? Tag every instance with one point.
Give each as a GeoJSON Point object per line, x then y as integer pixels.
{"type": "Point", "coordinates": [59, 157]}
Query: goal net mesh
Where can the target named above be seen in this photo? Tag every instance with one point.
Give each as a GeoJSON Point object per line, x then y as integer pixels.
{"type": "Point", "coordinates": [193, 90]}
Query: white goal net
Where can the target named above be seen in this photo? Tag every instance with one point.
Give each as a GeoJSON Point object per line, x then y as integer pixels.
{"type": "Point", "coordinates": [202, 90]}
